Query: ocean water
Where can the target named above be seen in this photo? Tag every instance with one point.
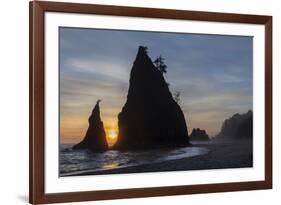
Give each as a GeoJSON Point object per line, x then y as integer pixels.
{"type": "Point", "coordinates": [81, 161]}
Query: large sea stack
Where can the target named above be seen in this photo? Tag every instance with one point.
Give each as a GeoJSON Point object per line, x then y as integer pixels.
{"type": "Point", "coordinates": [150, 116]}
{"type": "Point", "coordinates": [95, 139]}
{"type": "Point", "coordinates": [239, 126]}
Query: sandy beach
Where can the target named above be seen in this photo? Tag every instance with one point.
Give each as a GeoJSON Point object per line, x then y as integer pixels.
{"type": "Point", "coordinates": [222, 154]}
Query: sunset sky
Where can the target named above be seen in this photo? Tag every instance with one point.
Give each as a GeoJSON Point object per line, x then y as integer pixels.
{"type": "Point", "coordinates": [213, 73]}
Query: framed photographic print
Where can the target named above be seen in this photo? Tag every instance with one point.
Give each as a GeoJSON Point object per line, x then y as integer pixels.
{"type": "Point", "coordinates": [140, 102]}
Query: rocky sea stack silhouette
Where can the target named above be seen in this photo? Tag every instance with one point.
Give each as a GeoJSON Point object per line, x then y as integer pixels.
{"type": "Point", "coordinates": [150, 116]}
{"type": "Point", "coordinates": [95, 139]}
{"type": "Point", "coordinates": [198, 134]}
{"type": "Point", "coordinates": [239, 126]}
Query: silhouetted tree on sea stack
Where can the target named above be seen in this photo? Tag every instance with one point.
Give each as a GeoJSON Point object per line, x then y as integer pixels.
{"type": "Point", "coordinates": [95, 138]}
{"type": "Point", "coordinates": [159, 63]}
{"type": "Point", "coordinates": [177, 97]}
{"type": "Point", "coordinates": [144, 49]}
{"type": "Point", "coordinates": [150, 117]}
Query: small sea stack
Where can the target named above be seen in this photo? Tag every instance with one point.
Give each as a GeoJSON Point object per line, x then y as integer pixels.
{"type": "Point", "coordinates": [198, 134]}
{"type": "Point", "coordinates": [95, 139]}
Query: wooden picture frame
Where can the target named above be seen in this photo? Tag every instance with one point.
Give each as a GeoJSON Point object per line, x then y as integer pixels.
{"type": "Point", "coordinates": [37, 193]}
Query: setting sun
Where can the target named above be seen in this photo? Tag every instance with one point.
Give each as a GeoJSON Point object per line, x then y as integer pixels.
{"type": "Point", "coordinates": [111, 136]}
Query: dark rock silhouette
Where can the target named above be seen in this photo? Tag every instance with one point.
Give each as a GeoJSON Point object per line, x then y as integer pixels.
{"type": "Point", "coordinates": [238, 126]}
{"type": "Point", "coordinates": [150, 117]}
{"type": "Point", "coordinates": [198, 134]}
{"type": "Point", "coordinates": [95, 139]}
{"type": "Point", "coordinates": [245, 129]}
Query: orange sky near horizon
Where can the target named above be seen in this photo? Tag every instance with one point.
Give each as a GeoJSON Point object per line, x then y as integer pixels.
{"type": "Point", "coordinates": [73, 129]}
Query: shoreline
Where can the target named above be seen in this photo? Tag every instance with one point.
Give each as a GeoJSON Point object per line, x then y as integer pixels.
{"type": "Point", "coordinates": [221, 155]}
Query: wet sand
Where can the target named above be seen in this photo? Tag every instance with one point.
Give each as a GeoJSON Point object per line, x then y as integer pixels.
{"type": "Point", "coordinates": [221, 155]}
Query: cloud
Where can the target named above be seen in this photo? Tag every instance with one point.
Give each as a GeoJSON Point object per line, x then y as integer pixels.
{"type": "Point", "coordinates": [115, 71]}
